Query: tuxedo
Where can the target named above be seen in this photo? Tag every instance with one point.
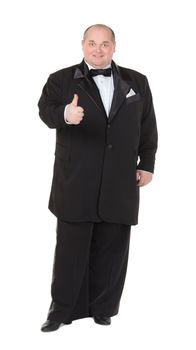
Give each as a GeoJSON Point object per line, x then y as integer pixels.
{"type": "Point", "coordinates": [94, 193]}
{"type": "Point", "coordinates": [95, 162]}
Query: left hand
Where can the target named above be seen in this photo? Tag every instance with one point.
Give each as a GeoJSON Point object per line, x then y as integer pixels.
{"type": "Point", "coordinates": [143, 177]}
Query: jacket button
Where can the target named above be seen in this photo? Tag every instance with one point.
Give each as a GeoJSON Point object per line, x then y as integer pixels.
{"type": "Point", "coordinates": [110, 146]}
{"type": "Point", "coordinates": [109, 126]}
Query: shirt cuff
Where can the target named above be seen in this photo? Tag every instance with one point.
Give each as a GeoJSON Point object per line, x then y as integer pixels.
{"type": "Point", "coordinates": [146, 171]}
{"type": "Point", "coordinates": [65, 118]}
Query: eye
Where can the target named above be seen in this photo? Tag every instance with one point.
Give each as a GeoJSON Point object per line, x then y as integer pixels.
{"type": "Point", "coordinates": [92, 44]}
{"type": "Point", "coordinates": [105, 45]}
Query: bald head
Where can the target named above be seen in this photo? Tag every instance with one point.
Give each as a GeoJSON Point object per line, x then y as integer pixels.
{"type": "Point", "coordinates": [100, 26]}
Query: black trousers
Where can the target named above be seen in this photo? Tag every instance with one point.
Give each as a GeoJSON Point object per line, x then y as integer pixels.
{"type": "Point", "coordinates": [89, 270]}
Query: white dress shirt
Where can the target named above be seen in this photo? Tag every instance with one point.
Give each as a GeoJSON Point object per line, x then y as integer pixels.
{"type": "Point", "coordinates": [106, 88]}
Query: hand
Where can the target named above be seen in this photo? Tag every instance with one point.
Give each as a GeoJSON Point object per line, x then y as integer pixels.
{"type": "Point", "coordinates": [143, 177]}
{"type": "Point", "coordinates": [74, 113]}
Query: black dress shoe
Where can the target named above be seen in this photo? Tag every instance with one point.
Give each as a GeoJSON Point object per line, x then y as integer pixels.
{"type": "Point", "coordinates": [50, 326]}
{"type": "Point", "coordinates": [103, 320]}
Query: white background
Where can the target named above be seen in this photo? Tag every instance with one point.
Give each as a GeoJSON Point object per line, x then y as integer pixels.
{"type": "Point", "coordinates": [158, 306]}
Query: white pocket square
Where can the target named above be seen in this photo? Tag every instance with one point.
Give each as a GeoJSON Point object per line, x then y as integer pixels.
{"type": "Point", "coordinates": [130, 93]}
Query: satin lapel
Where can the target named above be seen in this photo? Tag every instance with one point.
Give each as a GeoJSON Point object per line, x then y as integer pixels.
{"type": "Point", "coordinates": [121, 88]}
{"type": "Point", "coordinates": [88, 86]}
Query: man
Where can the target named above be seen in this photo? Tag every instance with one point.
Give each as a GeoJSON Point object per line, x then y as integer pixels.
{"type": "Point", "coordinates": [106, 140]}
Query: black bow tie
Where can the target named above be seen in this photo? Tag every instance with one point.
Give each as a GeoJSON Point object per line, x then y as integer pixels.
{"type": "Point", "coordinates": [106, 72]}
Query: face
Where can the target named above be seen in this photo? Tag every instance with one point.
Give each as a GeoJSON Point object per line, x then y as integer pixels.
{"type": "Point", "coordinates": [98, 47]}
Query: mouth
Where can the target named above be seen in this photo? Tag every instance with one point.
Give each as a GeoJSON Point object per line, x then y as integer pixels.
{"type": "Point", "coordinates": [98, 56]}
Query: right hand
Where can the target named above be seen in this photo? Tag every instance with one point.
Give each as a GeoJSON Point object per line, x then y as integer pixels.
{"type": "Point", "coordinates": [74, 113]}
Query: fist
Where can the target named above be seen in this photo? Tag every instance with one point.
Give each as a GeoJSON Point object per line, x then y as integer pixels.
{"type": "Point", "coordinates": [74, 113]}
{"type": "Point", "coordinates": [143, 178]}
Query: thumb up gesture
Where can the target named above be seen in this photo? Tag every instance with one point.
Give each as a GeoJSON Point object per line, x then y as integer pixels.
{"type": "Point", "coordinates": [74, 113]}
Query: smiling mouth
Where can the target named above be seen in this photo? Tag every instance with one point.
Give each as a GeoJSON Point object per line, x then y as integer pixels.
{"type": "Point", "coordinates": [98, 56]}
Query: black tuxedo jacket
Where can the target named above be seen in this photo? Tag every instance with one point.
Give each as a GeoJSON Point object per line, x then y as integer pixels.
{"type": "Point", "coordinates": [95, 162]}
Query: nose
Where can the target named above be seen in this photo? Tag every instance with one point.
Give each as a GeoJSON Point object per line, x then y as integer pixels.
{"type": "Point", "coordinates": [98, 48]}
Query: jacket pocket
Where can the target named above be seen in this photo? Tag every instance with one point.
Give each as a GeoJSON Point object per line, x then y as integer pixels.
{"type": "Point", "coordinates": [62, 152]}
{"type": "Point", "coordinates": [133, 98]}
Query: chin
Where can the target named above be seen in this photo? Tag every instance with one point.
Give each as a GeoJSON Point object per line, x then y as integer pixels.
{"type": "Point", "coordinates": [99, 64]}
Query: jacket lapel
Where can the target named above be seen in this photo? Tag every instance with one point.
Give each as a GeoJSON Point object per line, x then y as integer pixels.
{"type": "Point", "coordinates": [121, 88]}
{"type": "Point", "coordinates": [87, 84]}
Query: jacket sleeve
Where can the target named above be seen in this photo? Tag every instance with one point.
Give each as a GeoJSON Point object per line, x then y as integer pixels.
{"type": "Point", "coordinates": [51, 108]}
{"type": "Point", "coordinates": [148, 133]}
